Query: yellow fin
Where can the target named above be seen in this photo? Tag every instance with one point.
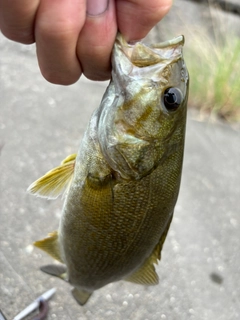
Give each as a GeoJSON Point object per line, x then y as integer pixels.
{"type": "Point", "coordinates": [156, 255]}
{"type": "Point", "coordinates": [50, 245]}
{"type": "Point", "coordinates": [70, 158]}
{"type": "Point", "coordinates": [146, 274]}
{"type": "Point", "coordinates": [81, 296]}
{"type": "Point", "coordinates": [55, 181]}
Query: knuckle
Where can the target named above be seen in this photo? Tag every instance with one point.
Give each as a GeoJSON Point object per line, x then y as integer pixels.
{"type": "Point", "coordinates": [58, 31]}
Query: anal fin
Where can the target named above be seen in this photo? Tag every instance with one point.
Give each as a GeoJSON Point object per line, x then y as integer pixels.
{"type": "Point", "coordinates": [56, 270]}
{"type": "Point", "coordinates": [50, 245]}
{"type": "Point", "coordinates": [81, 296]}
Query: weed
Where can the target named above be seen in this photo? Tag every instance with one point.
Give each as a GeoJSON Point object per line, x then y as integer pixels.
{"type": "Point", "coordinates": [214, 67]}
{"type": "Point", "coordinates": [212, 54]}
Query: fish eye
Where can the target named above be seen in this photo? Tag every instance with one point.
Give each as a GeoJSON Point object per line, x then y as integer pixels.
{"type": "Point", "coordinates": [172, 98]}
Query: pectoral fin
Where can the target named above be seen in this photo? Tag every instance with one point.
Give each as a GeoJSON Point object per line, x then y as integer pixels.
{"type": "Point", "coordinates": [50, 245]}
{"type": "Point", "coordinates": [146, 274]}
{"type": "Point", "coordinates": [55, 181]}
{"type": "Point", "coordinates": [81, 296]}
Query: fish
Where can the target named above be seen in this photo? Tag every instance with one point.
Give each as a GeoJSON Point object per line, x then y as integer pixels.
{"type": "Point", "coordinates": [121, 188]}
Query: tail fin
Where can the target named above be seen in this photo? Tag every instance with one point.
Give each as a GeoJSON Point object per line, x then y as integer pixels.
{"type": "Point", "coordinates": [81, 296]}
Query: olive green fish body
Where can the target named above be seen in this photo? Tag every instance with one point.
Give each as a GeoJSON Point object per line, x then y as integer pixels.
{"type": "Point", "coordinates": [126, 176]}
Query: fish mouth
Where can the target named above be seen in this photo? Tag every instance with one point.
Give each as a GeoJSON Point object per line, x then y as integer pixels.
{"type": "Point", "coordinates": [180, 40]}
{"type": "Point", "coordinates": [142, 55]}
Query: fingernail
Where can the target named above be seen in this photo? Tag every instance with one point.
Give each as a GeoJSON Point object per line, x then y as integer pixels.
{"type": "Point", "coordinates": [96, 7]}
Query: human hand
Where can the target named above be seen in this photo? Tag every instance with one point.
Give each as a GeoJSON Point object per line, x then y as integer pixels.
{"type": "Point", "coordinates": [76, 36]}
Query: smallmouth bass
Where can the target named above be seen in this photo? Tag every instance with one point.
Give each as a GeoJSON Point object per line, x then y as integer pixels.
{"type": "Point", "coordinates": [122, 186]}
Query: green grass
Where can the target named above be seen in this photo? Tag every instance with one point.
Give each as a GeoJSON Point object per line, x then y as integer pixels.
{"type": "Point", "coordinates": [214, 67]}
{"type": "Point", "coordinates": [212, 55]}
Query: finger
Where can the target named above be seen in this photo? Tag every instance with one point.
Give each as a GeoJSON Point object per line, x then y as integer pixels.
{"type": "Point", "coordinates": [96, 39]}
{"type": "Point", "coordinates": [57, 27]}
{"type": "Point", "coordinates": [17, 19]}
{"type": "Point", "coordinates": [137, 17]}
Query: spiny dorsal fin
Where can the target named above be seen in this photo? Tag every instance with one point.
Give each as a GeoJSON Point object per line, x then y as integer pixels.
{"type": "Point", "coordinates": [81, 296]}
{"type": "Point", "coordinates": [146, 274]}
{"type": "Point", "coordinates": [50, 245]}
{"type": "Point", "coordinates": [55, 181]}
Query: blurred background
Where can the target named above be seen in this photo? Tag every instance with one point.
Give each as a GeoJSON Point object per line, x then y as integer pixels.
{"type": "Point", "coordinates": [41, 123]}
{"type": "Point", "coordinates": [212, 53]}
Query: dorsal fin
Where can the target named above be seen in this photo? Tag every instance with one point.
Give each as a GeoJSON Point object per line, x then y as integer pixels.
{"type": "Point", "coordinates": [55, 181]}
{"type": "Point", "coordinates": [50, 245]}
{"type": "Point", "coordinates": [156, 255]}
{"type": "Point", "coordinates": [146, 274]}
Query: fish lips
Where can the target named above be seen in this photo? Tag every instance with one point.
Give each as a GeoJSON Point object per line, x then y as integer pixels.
{"type": "Point", "coordinates": [138, 60]}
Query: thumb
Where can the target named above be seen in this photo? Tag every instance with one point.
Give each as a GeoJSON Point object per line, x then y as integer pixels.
{"type": "Point", "coordinates": [137, 17]}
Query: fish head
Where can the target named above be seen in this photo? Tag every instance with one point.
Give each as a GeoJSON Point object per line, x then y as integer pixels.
{"type": "Point", "coordinates": [143, 113]}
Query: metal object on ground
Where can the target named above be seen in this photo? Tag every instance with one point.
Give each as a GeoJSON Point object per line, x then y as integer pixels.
{"type": "Point", "coordinates": [2, 317]}
{"type": "Point", "coordinates": [38, 303]}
